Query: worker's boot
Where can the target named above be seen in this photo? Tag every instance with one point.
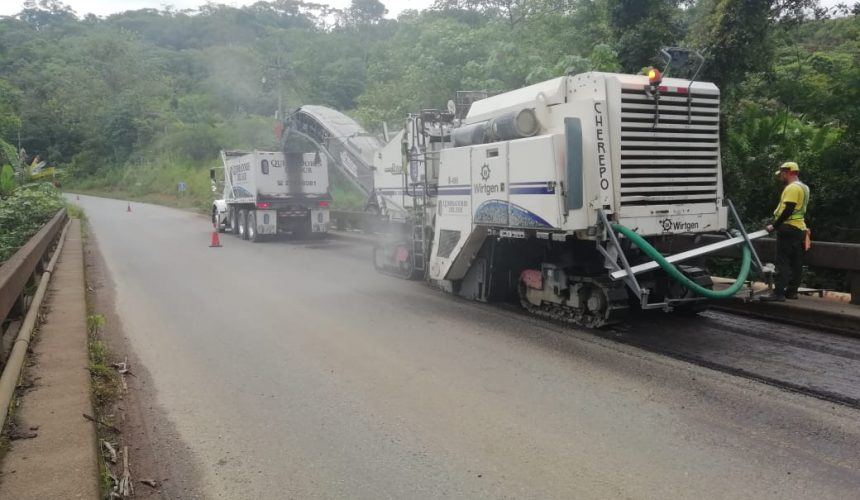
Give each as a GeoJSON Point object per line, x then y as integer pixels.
{"type": "Point", "coordinates": [772, 297]}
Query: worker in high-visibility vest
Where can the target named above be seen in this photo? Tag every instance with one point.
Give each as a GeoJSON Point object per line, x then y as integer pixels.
{"type": "Point", "coordinates": [790, 228]}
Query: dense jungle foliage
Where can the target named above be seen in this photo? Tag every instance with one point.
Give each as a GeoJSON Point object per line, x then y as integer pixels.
{"type": "Point", "coordinates": [23, 212]}
{"type": "Point", "coordinates": [141, 100]}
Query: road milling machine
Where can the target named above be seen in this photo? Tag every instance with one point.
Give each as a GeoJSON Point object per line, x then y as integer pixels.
{"type": "Point", "coordinates": [557, 194]}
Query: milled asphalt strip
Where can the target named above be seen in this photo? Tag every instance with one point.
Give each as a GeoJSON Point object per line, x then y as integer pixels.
{"type": "Point", "coordinates": [61, 462]}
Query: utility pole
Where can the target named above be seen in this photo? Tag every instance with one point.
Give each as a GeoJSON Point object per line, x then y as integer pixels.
{"type": "Point", "coordinates": [281, 72]}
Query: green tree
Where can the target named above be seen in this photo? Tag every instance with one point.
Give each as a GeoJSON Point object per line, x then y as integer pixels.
{"type": "Point", "coordinates": [7, 180]}
{"type": "Point", "coordinates": [513, 12]}
{"type": "Point", "coordinates": [738, 38]}
{"type": "Point", "coordinates": [365, 12]}
{"type": "Point", "coordinates": [641, 28]}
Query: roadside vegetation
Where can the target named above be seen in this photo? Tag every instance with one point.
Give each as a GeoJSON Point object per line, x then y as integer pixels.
{"type": "Point", "coordinates": [104, 378]}
{"type": "Point", "coordinates": [106, 390]}
{"type": "Point", "coordinates": [132, 104]}
{"type": "Point", "coordinates": [23, 211]}
{"type": "Point", "coordinates": [154, 183]}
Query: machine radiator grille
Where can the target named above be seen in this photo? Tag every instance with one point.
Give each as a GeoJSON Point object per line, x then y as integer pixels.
{"type": "Point", "coordinates": [675, 161]}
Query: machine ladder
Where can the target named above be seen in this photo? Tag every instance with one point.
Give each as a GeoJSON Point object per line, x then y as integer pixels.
{"type": "Point", "coordinates": [415, 187]}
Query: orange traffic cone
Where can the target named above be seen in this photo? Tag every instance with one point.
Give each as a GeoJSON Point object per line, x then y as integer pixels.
{"type": "Point", "coordinates": [129, 207]}
{"type": "Point", "coordinates": [216, 240]}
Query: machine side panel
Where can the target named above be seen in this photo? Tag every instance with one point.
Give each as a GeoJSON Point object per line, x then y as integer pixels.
{"type": "Point", "coordinates": [593, 145]}
{"type": "Point", "coordinates": [489, 173]}
{"type": "Point", "coordinates": [603, 155]}
{"type": "Point", "coordinates": [454, 217]}
{"type": "Point", "coordinates": [589, 101]}
{"type": "Point", "coordinates": [535, 183]}
{"type": "Point", "coordinates": [388, 179]}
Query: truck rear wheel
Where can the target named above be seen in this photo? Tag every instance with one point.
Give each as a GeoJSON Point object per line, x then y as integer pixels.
{"type": "Point", "coordinates": [251, 230]}
{"type": "Point", "coordinates": [243, 224]}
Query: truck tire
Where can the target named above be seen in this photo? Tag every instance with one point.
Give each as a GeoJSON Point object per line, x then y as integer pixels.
{"type": "Point", "coordinates": [243, 224]}
{"type": "Point", "coordinates": [251, 229]}
{"type": "Point", "coordinates": [234, 221]}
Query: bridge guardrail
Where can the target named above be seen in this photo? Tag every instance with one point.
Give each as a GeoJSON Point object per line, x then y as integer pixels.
{"type": "Point", "coordinates": [19, 271]}
{"type": "Point", "coordinates": [823, 254]}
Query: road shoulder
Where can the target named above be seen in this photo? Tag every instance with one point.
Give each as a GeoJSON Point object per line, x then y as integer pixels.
{"type": "Point", "coordinates": [59, 457]}
{"type": "Point", "coordinates": [158, 453]}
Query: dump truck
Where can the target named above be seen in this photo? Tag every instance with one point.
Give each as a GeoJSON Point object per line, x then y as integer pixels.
{"type": "Point", "coordinates": [270, 193]}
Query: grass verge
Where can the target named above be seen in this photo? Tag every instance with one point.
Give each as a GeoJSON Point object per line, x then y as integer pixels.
{"type": "Point", "coordinates": [158, 182]}
{"type": "Point", "coordinates": [105, 389]}
{"type": "Point", "coordinates": [200, 205]}
{"type": "Point", "coordinates": [105, 384]}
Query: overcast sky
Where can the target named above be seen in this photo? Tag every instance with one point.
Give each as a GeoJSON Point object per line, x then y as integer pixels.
{"type": "Point", "coordinates": [105, 7]}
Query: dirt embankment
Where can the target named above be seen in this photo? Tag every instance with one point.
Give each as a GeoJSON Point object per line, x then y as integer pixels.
{"type": "Point", "coordinates": [156, 451]}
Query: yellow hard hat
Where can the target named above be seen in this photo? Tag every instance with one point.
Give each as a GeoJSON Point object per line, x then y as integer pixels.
{"type": "Point", "coordinates": [790, 166]}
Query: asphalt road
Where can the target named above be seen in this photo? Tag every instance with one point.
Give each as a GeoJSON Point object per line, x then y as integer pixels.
{"type": "Point", "coordinates": [293, 370]}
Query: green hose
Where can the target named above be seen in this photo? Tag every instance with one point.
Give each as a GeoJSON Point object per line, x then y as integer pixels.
{"type": "Point", "coordinates": [679, 276]}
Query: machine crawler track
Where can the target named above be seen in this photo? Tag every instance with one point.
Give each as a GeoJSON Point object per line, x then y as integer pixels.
{"type": "Point", "coordinates": [615, 310]}
{"type": "Point", "coordinates": [405, 269]}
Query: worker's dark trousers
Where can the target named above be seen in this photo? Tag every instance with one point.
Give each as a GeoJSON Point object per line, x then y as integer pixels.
{"type": "Point", "coordinates": [789, 251]}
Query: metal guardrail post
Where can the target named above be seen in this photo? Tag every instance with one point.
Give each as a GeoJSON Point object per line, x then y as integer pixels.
{"type": "Point", "coordinates": [854, 286]}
